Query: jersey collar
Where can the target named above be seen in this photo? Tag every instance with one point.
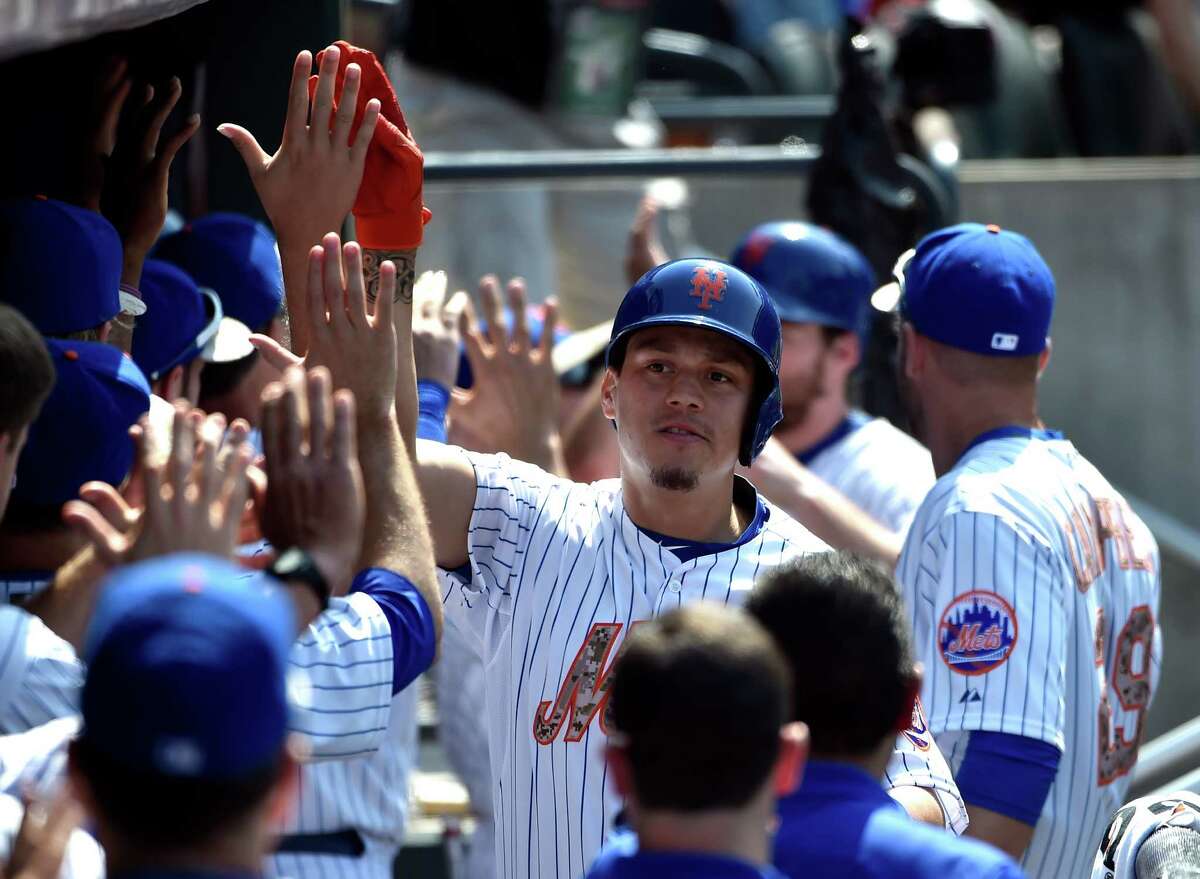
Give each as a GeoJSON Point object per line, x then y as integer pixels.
{"type": "Point", "coordinates": [686, 550]}
{"type": "Point", "coordinates": [852, 422]}
{"type": "Point", "coordinates": [1011, 430]}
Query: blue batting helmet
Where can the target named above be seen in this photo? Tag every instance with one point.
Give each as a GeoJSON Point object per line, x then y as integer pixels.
{"type": "Point", "coordinates": [712, 295]}
{"type": "Point", "coordinates": [812, 275]}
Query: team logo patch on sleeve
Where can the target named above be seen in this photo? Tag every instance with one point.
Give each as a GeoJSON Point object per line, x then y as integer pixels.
{"type": "Point", "coordinates": [977, 632]}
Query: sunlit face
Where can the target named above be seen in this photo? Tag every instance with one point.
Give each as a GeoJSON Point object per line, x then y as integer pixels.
{"type": "Point", "coordinates": [680, 403]}
{"type": "Point", "coordinates": [803, 372]}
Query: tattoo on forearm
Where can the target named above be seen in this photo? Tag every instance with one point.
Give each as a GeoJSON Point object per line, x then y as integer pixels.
{"type": "Point", "coordinates": [405, 262]}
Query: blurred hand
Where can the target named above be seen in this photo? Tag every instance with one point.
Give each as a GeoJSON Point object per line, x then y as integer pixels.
{"type": "Point", "coordinates": [513, 406]}
{"type": "Point", "coordinates": [193, 502]}
{"type": "Point", "coordinates": [135, 190]}
{"type": "Point", "coordinates": [43, 836]}
{"type": "Point", "coordinates": [314, 497]}
{"type": "Point", "coordinates": [96, 145]}
{"type": "Point", "coordinates": [309, 185]}
{"type": "Point", "coordinates": [644, 251]}
{"type": "Point", "coordinates": [435, 329]}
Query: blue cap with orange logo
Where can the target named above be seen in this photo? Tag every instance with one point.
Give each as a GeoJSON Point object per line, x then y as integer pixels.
{"type": "Point", "coordinates": [187, 668]}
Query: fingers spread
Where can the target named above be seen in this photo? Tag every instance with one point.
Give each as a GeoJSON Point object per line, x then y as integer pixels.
{"type": "Point", "coordinates": [362, 138]}
{"type": "Point", "coordinates": [347, 104]}
{"type": "Point", "coordinates": [519, 338]}
{"type": "Point", "coordinates": [356, 291]}
{"type": "Point", "coordinates": [493, 312]}
{"type": "Point", "coordinates": [549, 322]}
{"type": "Point", "coordinates": [323, 104]}
{"type": "Point", "coordinates": [296, 124]}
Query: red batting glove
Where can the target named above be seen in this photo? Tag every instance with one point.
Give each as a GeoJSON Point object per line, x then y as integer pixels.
{"type": "Point", "coordinates": [389, 213]}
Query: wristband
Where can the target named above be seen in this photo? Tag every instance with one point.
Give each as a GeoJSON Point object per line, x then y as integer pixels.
{"type": "Point", "coordinates": [432, 400]}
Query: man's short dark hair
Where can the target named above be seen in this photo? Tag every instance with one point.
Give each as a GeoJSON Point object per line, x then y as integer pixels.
{"type": "Point", "coordinates": [841, 624]}
{"type": "Point", "coordinates": [27, 369]}
{"type": "Point", "coordinates": [698, 699]}
{"type": "Point", "coordinates": [158, 813]}
{"type": "Point", "coordinates": [218, 379]}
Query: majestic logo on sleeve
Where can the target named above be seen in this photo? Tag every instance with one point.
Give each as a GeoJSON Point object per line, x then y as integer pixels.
{"type": "Point", "coordinates": [708, 284]}
{"type": "Point", "coordinates": [918, 730]}
{"type": "Point", "coordinates": [977, 632]}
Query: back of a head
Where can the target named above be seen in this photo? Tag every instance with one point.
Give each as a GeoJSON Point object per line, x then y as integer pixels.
{"type": "Point", "coordinates": [697, 702]}
{"type": "Point", "coordinates": [27, 371]}
{"type": "Point", "coordinates": [840, 623]}
{"type": "Point", "coordinates": [185, 702]}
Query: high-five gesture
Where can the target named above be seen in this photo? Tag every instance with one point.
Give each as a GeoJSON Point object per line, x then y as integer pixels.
{"type": "Point", "coordinates": [310, 183]}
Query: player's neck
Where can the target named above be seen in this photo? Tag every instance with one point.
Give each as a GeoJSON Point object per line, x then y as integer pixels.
{"type": "Point", "coordinates": [707, 513]}
{"type": "Point", "coordinates": [952, 430]}
{"type": "Point", "coordinates": [233, 852]}
{"type": "Point", "coordinates": [822, 418]}
{"type": "Point", "coordinates": [725, 833]}
{"type": "Point", "coordinates": [38, 552]}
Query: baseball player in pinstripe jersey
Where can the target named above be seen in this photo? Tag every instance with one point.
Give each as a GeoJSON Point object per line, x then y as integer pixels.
{"type": "Point", "coordinates": [552, 574]}
{"type": "Point", "coordinates": [1033, 587]}
{"type": "Point", "coordinates": [821, 286]}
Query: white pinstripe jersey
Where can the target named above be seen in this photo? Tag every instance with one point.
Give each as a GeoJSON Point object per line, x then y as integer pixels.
{"type": "Point", "coordinates": [15, 588]}
{"type": "Point", "coordinates": [1034, 590]}
{"type": "Point", "coordinates": [881, 468]}
{"type": "Point", "coordinates": [40, 677]}
{"type": "Point", "coordinates": [559, 573]}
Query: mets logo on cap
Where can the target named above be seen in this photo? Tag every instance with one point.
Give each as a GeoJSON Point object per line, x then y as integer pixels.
{"type": "Point", "coordinates": [977, 632]}
{"type": "Point", "coordinates": [708, 284]}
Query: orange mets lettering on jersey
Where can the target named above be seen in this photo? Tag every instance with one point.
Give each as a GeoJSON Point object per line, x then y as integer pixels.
{"type": "Point", "coordinates": [708, 284]}
{"type": "Point", "coordinates": [584, 691]}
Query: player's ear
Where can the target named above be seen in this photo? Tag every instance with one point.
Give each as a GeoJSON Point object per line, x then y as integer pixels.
{"type": "Point", "coordinates": [846, 350]}
{"type": "Point", "coordinates": [622, 772]}
{"type": "Point", "coordinates": [793, 756]}
{"type": "Point", "coordinates": [912, 690]}
{"type": "Point", "coordinates": [172, 385]}
{"type": "Point", "coordinates": [1044, 358]}
{"type": "Point", "coordinates": [608, 387]}
{"type": "Point", "coordinates": [915, 352]}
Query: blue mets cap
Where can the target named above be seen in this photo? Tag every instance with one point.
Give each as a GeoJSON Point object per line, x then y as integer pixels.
{"type": "Point", "coordinates": [811, 274]}
{"type": "Point", "coordinates": [60, 265]}
{"type": "Point", "coordinates": [180, 322]}
{"type": "Point", "coordinates": [237, 258]}
{"type": "Point", "coordinates": [187, 668]}
{"type": "Point", "coordinates": [978, 288]}
{"type": "Point", "coordinates": [82, 432]}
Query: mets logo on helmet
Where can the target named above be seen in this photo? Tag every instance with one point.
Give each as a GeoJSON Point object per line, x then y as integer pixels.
{"type": "Point", "coordinates": [977, 632]}
{"type": "Point", "coordinates": [708, 284]}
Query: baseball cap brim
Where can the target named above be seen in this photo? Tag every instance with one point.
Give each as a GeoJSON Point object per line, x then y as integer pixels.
{"type": "Point", "coordinates": [578, 348]}
{"type": "Point", "coordinates": [231, 342]}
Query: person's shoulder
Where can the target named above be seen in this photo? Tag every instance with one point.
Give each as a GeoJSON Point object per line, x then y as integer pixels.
{"type": "Point", "coordinates": [786, 535]}
{"type": "Point", "coordinates": [895, 845]}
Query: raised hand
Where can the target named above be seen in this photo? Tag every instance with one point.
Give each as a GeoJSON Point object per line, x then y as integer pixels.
{"type": "Point", "coordinates": [435, 329]}
{"type": "Point", "coordinates": [41, 842]}
{"type": "Point", "coordinates": [193, 502]}
{"type": "Point", "coordinates": [135, 189]}
{"type": "Point", "coordinates": [513, 406]}
{"type": "Point", "coordinates": [644, 250]}
{"type": "Point", "coordinates": [309, 184]}
{"type": "Point", "coordinates": [314, 497]}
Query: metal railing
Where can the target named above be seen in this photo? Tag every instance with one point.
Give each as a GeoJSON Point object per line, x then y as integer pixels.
{"type": "Point", "coordinates": [501, 166]}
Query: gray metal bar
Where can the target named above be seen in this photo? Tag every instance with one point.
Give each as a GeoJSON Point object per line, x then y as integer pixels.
{"type": "Point", "coordinates": [1169, 756]}
{"type": "Point", "coordinates": [770, 108]}
{"type": "Point", "coordinates": [498, 166]}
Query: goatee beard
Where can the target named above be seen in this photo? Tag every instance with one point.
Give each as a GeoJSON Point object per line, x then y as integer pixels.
{"type": "Point", "coordinates": [674, 478]}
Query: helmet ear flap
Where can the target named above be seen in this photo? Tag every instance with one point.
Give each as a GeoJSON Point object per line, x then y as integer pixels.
{"type": "Point", "coordinates": [763, 414]}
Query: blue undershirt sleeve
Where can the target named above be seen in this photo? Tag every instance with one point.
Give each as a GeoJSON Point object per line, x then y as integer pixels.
{"type": "Point", "coordinates": [414, 640]}
{"type": "Point", "coordinates": [1008, 774]}
{"type": "Point", "coordinates": [432, 400]}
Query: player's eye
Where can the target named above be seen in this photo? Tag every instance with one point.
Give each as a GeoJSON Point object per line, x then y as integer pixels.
{"type": "Point", "coordinates": [656, 366]}
{"type": "Point", "coordinates": [719, 377]}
